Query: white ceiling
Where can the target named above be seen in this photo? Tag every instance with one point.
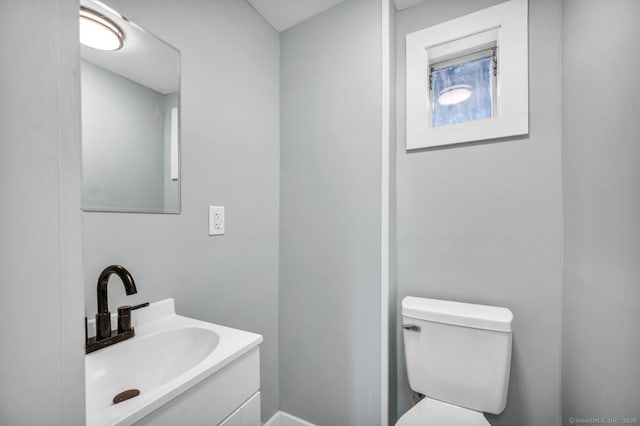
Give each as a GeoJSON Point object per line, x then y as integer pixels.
{"type": "Point", "coordinates": [404, 4]}
{"type": "Point", "coordinates": [283, 14]}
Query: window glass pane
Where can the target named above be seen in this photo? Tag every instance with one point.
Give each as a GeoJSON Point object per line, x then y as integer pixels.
{"type": "Point", "coordinates": [462, 92]}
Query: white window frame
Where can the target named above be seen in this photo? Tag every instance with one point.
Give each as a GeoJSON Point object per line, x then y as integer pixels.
{"type": "Point", "coordinates": [506, 25]}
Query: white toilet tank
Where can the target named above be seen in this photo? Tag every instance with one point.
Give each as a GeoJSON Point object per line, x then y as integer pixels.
{"type": "Point", "coordinates": [458, 353]}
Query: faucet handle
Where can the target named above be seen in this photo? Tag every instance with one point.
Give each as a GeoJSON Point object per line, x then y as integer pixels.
{"type": "Point", "coordinates": [142, 305]}
{"type": "Point", "coordinates": [124, 318]}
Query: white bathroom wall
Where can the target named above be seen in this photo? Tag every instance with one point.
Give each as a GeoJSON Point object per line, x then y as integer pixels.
{"type": "Point", "coordinates": [601, 172]}
{"type": "Point", "coordinates": [482, 223]}
{"type": "Point", "coordinates": [41, 291]}
{"type": "Point", "coordinates": [331, 103]}
{"type": "Point", "coordinates": [230, 157]}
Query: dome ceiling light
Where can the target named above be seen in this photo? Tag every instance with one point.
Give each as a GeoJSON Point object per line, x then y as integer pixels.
{"type": "Point", "coordinates": [99, 32]}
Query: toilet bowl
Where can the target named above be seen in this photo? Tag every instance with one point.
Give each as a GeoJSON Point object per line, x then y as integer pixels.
{"type": "Point", "coordinates": [458, 356]}
{"type": "Point", "coordinates": [430, 412]}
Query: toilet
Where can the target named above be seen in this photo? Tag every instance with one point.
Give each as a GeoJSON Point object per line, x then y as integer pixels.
{"type": "Point", "coordinates": [458, 356]}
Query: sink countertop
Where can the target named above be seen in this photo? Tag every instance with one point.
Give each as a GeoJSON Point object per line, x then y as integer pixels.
{"type": "Point", "coordinates": [152, 324]}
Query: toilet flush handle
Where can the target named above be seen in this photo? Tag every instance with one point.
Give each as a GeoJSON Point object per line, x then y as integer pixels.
{"type": "Point", "coordinates": [411, 327]}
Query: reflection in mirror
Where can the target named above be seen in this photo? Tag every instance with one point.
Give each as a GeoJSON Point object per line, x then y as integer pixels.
{"type": "Point", "coordinates": [130, 83]}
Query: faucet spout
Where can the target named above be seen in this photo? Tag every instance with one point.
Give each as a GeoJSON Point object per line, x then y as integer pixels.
{"type": "Point", "coordinates": [127, 280]}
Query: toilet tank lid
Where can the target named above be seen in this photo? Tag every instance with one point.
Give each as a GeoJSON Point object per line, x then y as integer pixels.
{"type": "Point", "coordinates": [457, 313]}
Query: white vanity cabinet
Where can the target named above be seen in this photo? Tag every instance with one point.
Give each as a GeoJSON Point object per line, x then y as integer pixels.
{"type": "Point", "coordinates": [229, 397]}
{"type": "Point", "coordinates": [186, 371]}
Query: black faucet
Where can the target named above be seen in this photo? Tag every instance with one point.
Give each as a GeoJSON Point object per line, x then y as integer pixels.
{"type": "Point", "coordinates": [103, 317]}
{"type": "Point", "coordinates": [104, 336]}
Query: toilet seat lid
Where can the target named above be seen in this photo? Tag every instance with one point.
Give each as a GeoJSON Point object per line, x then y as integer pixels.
{"type": "Point", "coordinates": [437, 413]}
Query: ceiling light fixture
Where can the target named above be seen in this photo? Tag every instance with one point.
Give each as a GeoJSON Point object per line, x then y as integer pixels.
{"type": "Point", "coordinates": [99, 32]}
{"type": "Point", "coordinates": [455, 94]}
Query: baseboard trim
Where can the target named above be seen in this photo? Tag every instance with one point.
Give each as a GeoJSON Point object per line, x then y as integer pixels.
{"type": "Point", "coordinates": [285, 419]}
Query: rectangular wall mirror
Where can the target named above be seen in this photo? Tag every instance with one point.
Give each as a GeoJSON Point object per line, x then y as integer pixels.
{"type": "Point", "coordinates": [130, 82]}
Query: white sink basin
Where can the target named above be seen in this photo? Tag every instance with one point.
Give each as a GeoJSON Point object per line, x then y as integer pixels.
{"type": "Point", "coordinates": [169, 354]}
{"type": "Point", "coordinates": [145, 363]}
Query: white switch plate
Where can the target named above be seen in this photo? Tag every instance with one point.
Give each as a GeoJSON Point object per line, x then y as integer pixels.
{"type": "Point", "coordinates": [216, 220]}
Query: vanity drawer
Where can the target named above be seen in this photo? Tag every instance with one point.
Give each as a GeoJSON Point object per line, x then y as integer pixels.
{"type": "Point", "coordinates": [247, 415]}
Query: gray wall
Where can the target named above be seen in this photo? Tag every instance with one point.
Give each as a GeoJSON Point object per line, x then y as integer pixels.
{"type": "Point", "coordinates": [330, 216]}
{"type": "Point", "coordinates": [482, 223]}
{"type": "Point", "coordinates": [41, 294]}
{"type": "Point", "coordinates": [122, 142]}
{"type": "Point", "coordinates": [601, 170]}
{"type": "Point", "coordinates": [230, 157]}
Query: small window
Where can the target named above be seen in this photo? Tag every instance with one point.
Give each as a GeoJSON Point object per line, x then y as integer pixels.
{"type": "Point", "coordinates": [463, 89]}
{"type": "Point", "coordinates": [467, 79]}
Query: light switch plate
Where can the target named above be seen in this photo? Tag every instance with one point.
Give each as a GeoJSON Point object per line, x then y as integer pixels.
{"type": "Point", "coordinates": [216, 220]}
